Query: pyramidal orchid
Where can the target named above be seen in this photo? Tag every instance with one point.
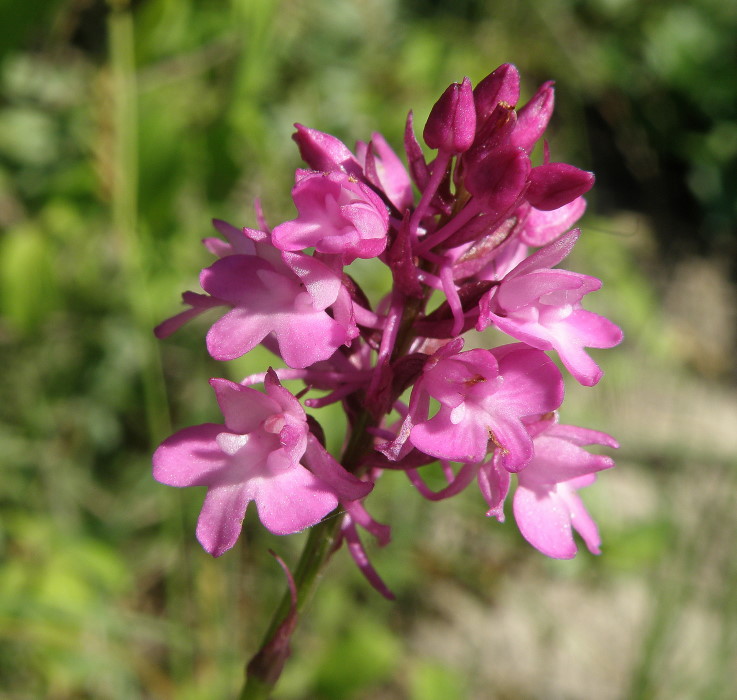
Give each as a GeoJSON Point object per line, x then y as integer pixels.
{"type": "Point", "coordinates": [483, 236]}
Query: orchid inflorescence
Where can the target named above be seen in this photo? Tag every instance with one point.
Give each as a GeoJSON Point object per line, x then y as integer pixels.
{"type": "Point", "coordinates": [483, 414]}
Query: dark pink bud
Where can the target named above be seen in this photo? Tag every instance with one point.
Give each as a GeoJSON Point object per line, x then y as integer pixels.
{"type": "Point", "coordinates": [451, 125]}
{"type": "Point", "coordinates": [324, 152]}
{"type": "Point", "coordinates": [499, 179]}
{"type": "Point", "coordinates": [557, 184]}
{"type": "Point", "coordinates": [500, 86]}
{"type": "Point", "coordinates": [492, 134]}
{"type": "Point", "coordinates": [533, 118]}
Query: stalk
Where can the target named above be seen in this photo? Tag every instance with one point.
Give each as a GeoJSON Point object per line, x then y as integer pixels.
{"type": "Point", "coordinates": [263, 671]}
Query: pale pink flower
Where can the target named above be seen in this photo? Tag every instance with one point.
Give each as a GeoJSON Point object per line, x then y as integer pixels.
{"type": "Point", "coordinates": [546, 505]}
{"type": "Point", "coordinates": [542, 307]}
{"type": "Point", "coordinates": [286, 298]}
{"type": "Point", "coordinates": [264, 453]}
{"type": "Point", "coordinates": [483, 396]}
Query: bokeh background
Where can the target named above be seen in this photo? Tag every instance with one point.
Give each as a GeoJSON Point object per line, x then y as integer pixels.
{"type": "Point", "coordinates": [125, 127]}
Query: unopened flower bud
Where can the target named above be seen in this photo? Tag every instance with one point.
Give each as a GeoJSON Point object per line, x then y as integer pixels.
{"type": "Point", "coordinates": [499, 179]}
{"type": "Point", "coordinates": [533, 118]}
{"type": "Point", "coordinates": [451, 125]}
{"type": "Point", "coordinates": [501, 86]}
{"type": "Point", "coordinates": [556, 184]}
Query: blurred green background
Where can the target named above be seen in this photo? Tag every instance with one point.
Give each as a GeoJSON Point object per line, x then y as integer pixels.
{"type": "Point", "coordinates": [125, 128]}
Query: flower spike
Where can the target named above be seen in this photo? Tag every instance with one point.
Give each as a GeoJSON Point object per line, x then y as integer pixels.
{"type": "Point", "coordinates": [463, 240]}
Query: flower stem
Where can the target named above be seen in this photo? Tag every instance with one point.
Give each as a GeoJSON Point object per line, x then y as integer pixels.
{"type": "Point", "coordinates": [321, 542]}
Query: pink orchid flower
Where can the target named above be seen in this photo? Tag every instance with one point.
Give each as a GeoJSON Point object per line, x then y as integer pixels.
{"type": "Point", "coordinates": [483, 396]}
{"type": "Point", "coordinates": [264, 453]}
{"type": "Point", "coordinates": [542, 307]}
{"type": "Point", "coordinates": [546, 505]}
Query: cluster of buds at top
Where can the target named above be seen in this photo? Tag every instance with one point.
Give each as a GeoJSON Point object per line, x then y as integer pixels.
{"type": "Point", "coordinates": [485, 235]}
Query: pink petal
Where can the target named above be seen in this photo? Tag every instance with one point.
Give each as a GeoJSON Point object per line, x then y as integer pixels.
{"type": "Point", "coordinates": [596, 331]}
{"type": "Point", "coordinates": [190, 457]}
{"type": "Point", "coordinates": [514, 442]}
{"type": "Point", "coordinates": [544, 521]}
{"type": "Point", "coordinates": [236, 333]}
{"type": "Point", "coordinates": [239, 242]}
{"type": "Point", "coordinates": [466, 441]}
{"type": "Point", "coordinates": [582, 522]}
{"type": "Point", "coordinates": [549, 256]}
{"type": "Point", "coordinates": [308, 338]}
{"type": "Point", "coordinates": [533, 118]}
{"type": "Point", "coordinates": [418, 167]}
{"type": "Point", "coordinates": [582, 436]}
{"type": "Point", "coordinates": [502, 85]}
{"type": "Point", "coordinates": [321, 463]}
{"type": "Point", "coordinates": [532, 383]}
{"type": "Point", "coordinates": [542, 227]}
{"type": "Point", "coordinates": [322, 151]}
{"type": "Point", "coordinates": [322, 283]}
{"type": "Point", "coordinates": [519, 291]}
{"type": "Point", "coordinates": [576, 360]}
{"type": "Point", "coordinates": [221, 517]}
{"type": "Point", "coordinates": [557, 460]}
{"type": "Point", "coordinates": [292, 501]}
{"type": "Point", "coordinates": [392, 174]}
{"type": "Point", "coordinates": [244, 408]}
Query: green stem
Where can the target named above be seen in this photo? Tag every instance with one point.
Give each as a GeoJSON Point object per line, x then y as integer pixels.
{"type": "Point", "coordinates": [320, 544]}
{"type": "Point", "coordinates": [318, 548]}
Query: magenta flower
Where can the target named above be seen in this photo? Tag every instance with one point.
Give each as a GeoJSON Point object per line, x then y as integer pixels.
{"type": "Point", "coordinates": [337, 215]}
{"type": "Point", "coordinates": [483, 396]}
{"type": "Point", "coordinates": [546, 505]}
{"type": "Point", "coordinates": [454, 234]}
{"type": "Point", "coordinates": [294, 299]}
{"type": "Point", "coordinates": [264, 453]}
{"type": "Point", "coordinates": [542, 307]}
{"type": "Point", "coordinates": [276, 300]}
